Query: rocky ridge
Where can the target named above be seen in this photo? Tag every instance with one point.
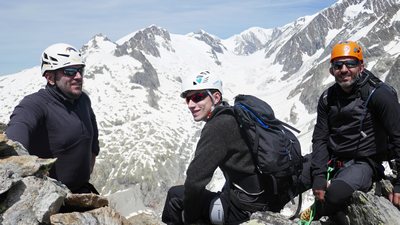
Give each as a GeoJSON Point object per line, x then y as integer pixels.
{"type": "Point", "coordinates": [370, 208]}
{"type": "Point", "coordinates": [28, 196]}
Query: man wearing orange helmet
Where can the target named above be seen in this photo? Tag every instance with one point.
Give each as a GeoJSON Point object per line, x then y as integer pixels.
{"type": "Point", "coordinates": [356, 118]}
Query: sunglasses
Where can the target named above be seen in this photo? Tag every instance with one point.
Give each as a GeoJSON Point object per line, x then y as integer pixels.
{"type": "Point", "coordinates": [338, 65]}
{"type": "Point", "coordinates": [72, 71]}
{"type": "Point", "coordinates": [197, 97]}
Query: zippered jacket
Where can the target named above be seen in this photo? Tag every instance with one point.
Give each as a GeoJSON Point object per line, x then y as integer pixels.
{"type": "Point", "coordinates": [49, 126]}
{"type": "Point", "coordinates": [337, 131]}
{"type": "Point", "coordinates": [220, 145]}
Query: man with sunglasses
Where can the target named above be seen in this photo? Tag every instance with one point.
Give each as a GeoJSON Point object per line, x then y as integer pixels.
{"type": "Point", "coordinates": [355, 118]}
{"type": "Point", "coordinates": [58, 121]}
{"type": "Point", "coordinates": [220, 145]}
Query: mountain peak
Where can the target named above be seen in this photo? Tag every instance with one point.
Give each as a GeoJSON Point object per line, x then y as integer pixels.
{"type": "Point", "coordinates": [213, 41]}
{"type": "Point", "coordinates": [147, 40]}
{"type": "Point", "coordinates": [97, 43]}
{"type": "Point", "coordinates": [250, 40]}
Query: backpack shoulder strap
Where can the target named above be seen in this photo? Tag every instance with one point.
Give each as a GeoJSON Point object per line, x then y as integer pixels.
{"type": "Point", "coordinates": [369, 88]}
{"type": "Point", "coordinates": [367, 91]}
{"type": "Point", "coordinates": [289, 126]}
{"type": "Point", "coordinates": [328, 96]}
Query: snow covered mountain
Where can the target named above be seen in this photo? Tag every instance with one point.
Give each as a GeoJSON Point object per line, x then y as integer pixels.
{"type": "Point", "coordinates": [148, 136]}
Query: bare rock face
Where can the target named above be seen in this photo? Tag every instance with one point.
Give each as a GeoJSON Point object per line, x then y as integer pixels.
{"type": "Point", "coordinates": [104, 215]}
{"type": "Point", "coordinates": [364, 209]}
{"type": "Point", "coordinates": [28, 196]}
{"type": "Point", "coordinates": [9, 148]}
{"type": "Point", "coordinates": [31, 201]}
{"type": "Point", "coordinates": [269, 218]}
{"type": "Point", "coordinates": [26, 165]}
{"type": "Point", "coordinates": [145, 219]}
{"type": "Point", "coordinates": [373, 207]}
{"type": "Point", "coordinates": [86, 201]}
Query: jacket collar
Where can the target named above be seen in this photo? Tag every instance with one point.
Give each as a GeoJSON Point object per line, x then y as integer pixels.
{"type": "Point", "coordinates": [57, 94]}
{"type": "Point", "coordinates": [218, 110]}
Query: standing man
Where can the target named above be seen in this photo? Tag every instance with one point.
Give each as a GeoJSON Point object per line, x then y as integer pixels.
{"type": "Point", "coordinates": [58, 121]}
{"type": "Point", "coordinates": [220, 145]}
{"type": "Point", "coordinates": [350, 135]}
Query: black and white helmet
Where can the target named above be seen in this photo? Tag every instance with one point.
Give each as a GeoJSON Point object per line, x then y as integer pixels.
{"type": "Point", "coordinates": [60, 55]}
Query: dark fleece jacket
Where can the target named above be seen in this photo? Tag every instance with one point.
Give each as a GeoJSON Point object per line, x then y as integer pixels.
{"type": "Point", "coordinates": [220, 145]}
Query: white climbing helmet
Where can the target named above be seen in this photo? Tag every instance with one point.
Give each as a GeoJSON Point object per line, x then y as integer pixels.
{"type": "Point", "coordinates": [201, 81]}
{"type": "Point", "coordinates": [60, 55]}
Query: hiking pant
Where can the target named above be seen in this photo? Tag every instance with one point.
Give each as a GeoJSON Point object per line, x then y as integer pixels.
{"type": "Point", "coordinates": [355, 177]}
{"type": "Point", "coordinates": [172, 212]}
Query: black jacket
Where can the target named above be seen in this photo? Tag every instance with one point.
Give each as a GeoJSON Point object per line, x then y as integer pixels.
{"type": "Point", "coordinates": [220, 145]}
{"type": "Point", "coordinates": [49, 126]}
{"type": "Point", "coordinates": [337, 135]}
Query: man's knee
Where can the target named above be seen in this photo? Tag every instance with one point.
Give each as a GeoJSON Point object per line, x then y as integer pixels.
{"type": "Point", "coordinates": [176, 192]}
{"type": "Point", "coordinates": [338, 192]}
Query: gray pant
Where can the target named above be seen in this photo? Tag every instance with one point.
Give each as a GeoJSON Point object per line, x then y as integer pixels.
{"type": "Point", "coordinates": [358, 176]}
{"type": "Point", "coordinates": [355, 177]}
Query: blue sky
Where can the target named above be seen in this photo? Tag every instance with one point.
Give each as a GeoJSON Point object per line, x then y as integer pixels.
{"type": "Point", "coordinates": [28, 27]}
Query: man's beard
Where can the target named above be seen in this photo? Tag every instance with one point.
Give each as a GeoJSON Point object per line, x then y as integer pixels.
{"type": "Point", "coordinates": [348, 84]}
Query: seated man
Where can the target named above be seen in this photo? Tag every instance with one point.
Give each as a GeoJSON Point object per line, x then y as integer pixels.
{"type": "Point", "coordinates": [58, 121]}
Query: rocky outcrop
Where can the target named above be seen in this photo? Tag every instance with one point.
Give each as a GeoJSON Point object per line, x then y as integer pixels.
{"type": "Point", "coordinates": [365, 209]}
{"type": "Point", "coordinates": [149, 41]}
{"type": "Point", "coordinates": [28, 196]}
{"type": "Point", "coordinates": [104, 215]}
{"type": "Point", "coordinates": [214, 43]}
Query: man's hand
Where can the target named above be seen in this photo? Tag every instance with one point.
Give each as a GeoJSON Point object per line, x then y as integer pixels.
{"type": "Point", "coordinates": [395, 199]}
{"type": "Point", "coordinates": [319, 195]}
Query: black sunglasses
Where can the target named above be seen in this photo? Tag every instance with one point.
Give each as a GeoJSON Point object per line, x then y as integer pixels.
{"type": "Point", "coordinates": [197, 97]}
{"type": "Point", "coordinates": [72, 71]}
{"type": "Point", "coordinates": [338, 65]}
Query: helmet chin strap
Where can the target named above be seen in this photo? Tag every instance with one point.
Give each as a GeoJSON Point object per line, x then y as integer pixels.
{"type": "Point", "coordinates": [212, 99]}
{"type": "Point", "coordinates": [213, 103]}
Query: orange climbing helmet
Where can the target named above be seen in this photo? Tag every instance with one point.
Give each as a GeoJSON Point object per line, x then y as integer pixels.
{"type": "Point", "coordinates": [347, 48]}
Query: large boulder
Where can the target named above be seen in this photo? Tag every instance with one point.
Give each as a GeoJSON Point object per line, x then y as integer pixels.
{"type": "Point", "coordinates": [104, 215]}
{"type": "Point", "coordinates": [29, 196]}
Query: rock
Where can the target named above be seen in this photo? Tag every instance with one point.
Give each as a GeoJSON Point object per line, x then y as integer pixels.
{"type": "Point", "coordinates": [85, 202]}
{"type": "Point", "coordinates": [7, 180]}
{"type": "Point", "coordinates": [9, 148]}
{"type": "Point", "coordinates": [31, 201]}
{"type": "Point", "coordinates": [372, 209]}
{"type": "Point", "coordinates": [105, 215]}
{"type": "Point", "coordinates": [28, 196]}
{"type": "Point", "coordinates": [3, 127]}
{"type": "Point", "coordinates": [145, 219]}
{"type": "Point", "coordinates": [364, 209]}
{"type": "Point", "coordinates": [26, 165]}
{"type": "Point", "coordinates": [268, 218]}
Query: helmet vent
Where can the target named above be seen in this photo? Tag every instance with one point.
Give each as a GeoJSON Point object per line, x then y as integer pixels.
{"type": "Point", "coordinates": [53, 59]}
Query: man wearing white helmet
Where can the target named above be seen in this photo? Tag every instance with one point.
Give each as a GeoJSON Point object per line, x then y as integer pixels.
{"type": "Point", "coordinates": [220, 145]}
{"type": "Point", "coordinates": [58, 121]}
